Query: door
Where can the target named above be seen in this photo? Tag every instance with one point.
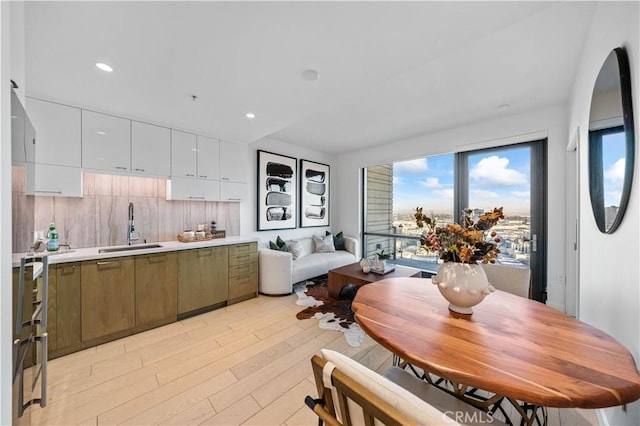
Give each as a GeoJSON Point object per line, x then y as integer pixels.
{"type": "Point", "coordinates": [513, 177]}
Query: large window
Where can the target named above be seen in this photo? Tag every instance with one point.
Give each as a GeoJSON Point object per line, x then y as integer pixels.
{"type": "Point", "coordinates": [513, 177]}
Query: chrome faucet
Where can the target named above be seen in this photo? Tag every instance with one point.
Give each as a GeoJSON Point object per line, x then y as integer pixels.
{"type": "Point", "coordinates": [131, 232]}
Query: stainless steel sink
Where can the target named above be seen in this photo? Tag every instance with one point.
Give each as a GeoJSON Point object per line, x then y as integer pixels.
{"type": "Point", "coordinates": [128, 248]}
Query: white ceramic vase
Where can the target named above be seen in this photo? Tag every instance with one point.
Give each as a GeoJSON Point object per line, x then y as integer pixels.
{"type": "Point", "coordinates": [464, 285]}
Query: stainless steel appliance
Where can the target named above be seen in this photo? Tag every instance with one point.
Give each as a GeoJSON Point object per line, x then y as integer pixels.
{"type": "Point", "coordinates": [30, 337]}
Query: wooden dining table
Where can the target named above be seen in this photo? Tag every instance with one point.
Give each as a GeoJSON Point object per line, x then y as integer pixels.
{"type": "Point", "coordinates": [510, 346]}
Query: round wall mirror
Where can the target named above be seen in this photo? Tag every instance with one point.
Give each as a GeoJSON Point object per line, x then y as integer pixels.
{"type": "Point", "coordinates": [611, 142]}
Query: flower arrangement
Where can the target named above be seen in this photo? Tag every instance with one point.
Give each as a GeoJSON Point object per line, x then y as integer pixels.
{"type": "Point", "coordinates": [465, 242]}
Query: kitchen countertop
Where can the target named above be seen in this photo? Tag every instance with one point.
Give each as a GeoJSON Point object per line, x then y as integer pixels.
{"type": "Point", "coordinates": [91, 253]}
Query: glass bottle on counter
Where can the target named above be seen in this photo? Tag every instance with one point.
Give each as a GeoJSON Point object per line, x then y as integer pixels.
{"type": "Point", "coordinates": [52, 236]}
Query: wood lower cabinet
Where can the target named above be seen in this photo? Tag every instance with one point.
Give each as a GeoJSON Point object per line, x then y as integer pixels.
{"type": "Point", "coordinates": [243, 271]}
{"type": "Point", "coordinates": [156, 280]}
{"type": "Point", "coordinates": [202, 278]}
{"type": "Point", "coordinates": [64, 315]}
{"type": "Point", "coordinates": [92, 302]}
{"type": "Point", "coordinates": [108, 297]}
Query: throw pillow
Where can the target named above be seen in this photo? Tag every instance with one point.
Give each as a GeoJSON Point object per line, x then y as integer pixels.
{"type": "Point", "coordinates": [296, 249]}
{"type": "Point", "coordinates": [279, 245]}
{"type": "Point", "coordinates": [323, 244]}
{"type": "Point", "coordinates": [338, 240]}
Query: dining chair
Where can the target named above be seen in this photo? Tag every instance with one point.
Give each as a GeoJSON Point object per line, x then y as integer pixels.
{"type": "Point", "coordinates": [352, 394]}
{"type": "Point", "coordinates": [514, 280]}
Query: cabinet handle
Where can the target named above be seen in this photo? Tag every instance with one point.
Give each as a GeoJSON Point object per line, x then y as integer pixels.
{"type": "Point", "coordinates": [121, 168]}
{"type": "Point", "coordinates": [108, 263]}
{"type": "Point", "coordinates": [189, 175]}
{"type": "Point", "coordinates": [48, 192]}
{"type": "Point", "coordinates": [203, 177]}
{"type": "Point", "coordinates": [139, 170]}
{"type": "Point", "coordinates": [234, 199]}
{"type": "Point", "coordinates": [225, 178]}
{"type": "Point", "coordinates": [203, 253]}
{"type": "Point", "coordinates": [66, 271]}
{"type": "Point", "coordinates": [196, 198]}
{"type": "Point", "coordinates": [243, 258]}
{"type": "Point", "coordinates": [243, 280]}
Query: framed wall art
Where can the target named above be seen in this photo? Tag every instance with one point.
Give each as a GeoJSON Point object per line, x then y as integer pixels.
{"type": "Point", "coordinates": [277, 197]}
{"type": "Point", "coordinates": [314, 194]}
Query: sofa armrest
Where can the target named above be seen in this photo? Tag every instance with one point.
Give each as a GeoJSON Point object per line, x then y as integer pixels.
{"type": "Point", "coordinates": [352, 245]}
{"type": "Point", "coordinates": [275, 271]}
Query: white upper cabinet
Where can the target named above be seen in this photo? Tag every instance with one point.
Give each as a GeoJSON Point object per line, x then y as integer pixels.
{"type": "Point", "coordinates": [22, 133]}
{"type": "Point", "coordinates": [58, 136]}
{"type": "Point", "coordinates": [150, 150]}
{"type": "Point", "coordinates": [208, 158]}
{"type": "Point", "coordinates": [54, 181]}
{"type": "Point", "coordinates": [234, 160]}
{"type": "Point", "coordinates": [184, 151]}
{"type": "Point", "coordinates": [18, 152]}
{"type": "Point", "coordinates": [106, 142]}
{"type": "Point", "coordinates": [190, 189]}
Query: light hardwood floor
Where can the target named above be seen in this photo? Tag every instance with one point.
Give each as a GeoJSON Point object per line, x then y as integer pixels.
{"type": "Point", "coordinates": [243, 364]}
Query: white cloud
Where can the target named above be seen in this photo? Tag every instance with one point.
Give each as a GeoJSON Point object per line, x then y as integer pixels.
{"type": "Point", "coordinates": [443, 193]}
{"type": "Point", "coordinates": [485, 194]}
{"type": "Point", "coordinates": [430, 183]}
{"type": "Point", "coordinates": [494, 171]}
{"type": "Point", "coordinates": [397, 180]}
{"type": "Point", "coordinates": [413, 166]}
{"type": "Point", "coordinates": [615, 173]}
{"type": "Point", "coordinates": [520, 194]}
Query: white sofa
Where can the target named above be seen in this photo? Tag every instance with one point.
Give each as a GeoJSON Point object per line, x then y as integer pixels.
{"type": "Point", "coordinates": [278, 271]}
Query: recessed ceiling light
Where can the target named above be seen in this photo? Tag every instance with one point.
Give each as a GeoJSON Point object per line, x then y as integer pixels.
{"type": "Point", "coordinates": [104, 67]}
{"type": "Point", "coordinates": [101, 133]}
{"type": "Point", "coordinates": [310, 75]}
{"type": "Point", "coordinates": [250, 115]}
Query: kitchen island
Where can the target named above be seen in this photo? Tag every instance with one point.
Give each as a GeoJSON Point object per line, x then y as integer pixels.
{"type": "Point", "coordinates": [99, 294]}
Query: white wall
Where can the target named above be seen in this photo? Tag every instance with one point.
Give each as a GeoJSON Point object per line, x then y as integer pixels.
{"type": "Point", "coordinates": [609, 268]}
{"type": "Point", "coordinates": [549, 122]}
{"type": "Point", "coordinates": [248, 209]}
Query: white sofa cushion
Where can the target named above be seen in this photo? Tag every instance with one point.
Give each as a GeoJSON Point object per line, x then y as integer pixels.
{"type": "Point", "coordinates": [296, 249]}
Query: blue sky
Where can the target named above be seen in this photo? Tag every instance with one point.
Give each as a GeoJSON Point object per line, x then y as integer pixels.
{"type": "Point", "coordinates": [613, 167]}
{"type": "Point", "coordinates": [497, 178]}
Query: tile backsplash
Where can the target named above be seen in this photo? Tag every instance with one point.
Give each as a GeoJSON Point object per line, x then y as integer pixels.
{"type": "Point", "coordinates": [101, 217]}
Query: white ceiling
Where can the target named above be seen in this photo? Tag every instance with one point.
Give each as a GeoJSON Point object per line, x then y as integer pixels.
{"type": "Point", "coordinates": [388, 70]}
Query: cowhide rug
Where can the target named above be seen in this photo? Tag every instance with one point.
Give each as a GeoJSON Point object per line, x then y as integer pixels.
{"type": "Point", "coordinates": [332, 314]}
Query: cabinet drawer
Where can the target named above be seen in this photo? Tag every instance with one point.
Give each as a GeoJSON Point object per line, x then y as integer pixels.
{"type": "Point", "coordinates": [243, 259]}
{"type": "Point", "coordinates": [243, 269]}
{"type": "Point", "coordinates": [243, 285]}
{"type": "Point", "coordinates": [240, 249]}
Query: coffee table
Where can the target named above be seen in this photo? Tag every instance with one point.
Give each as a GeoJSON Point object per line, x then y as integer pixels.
{"type": "Point", "coordinates": [352, 274]}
